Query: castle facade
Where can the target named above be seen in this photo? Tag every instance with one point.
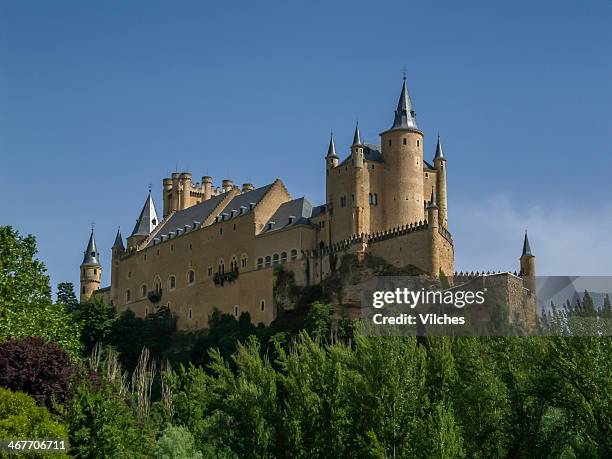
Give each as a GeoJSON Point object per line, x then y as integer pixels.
{"type": "Point", "coordinates": [217, 247]}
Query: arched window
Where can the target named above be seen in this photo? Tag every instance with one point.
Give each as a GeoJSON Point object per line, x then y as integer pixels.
{"type": "Point", "coordinates": [268, 260]}
{"type": "Point", "coordinates": [143, 291]}
{"type": "Point", "coordinates": [236, 310]}
{"type": "Point", "coordinates": [190, 277]}
{"type": "Point", "coordinates": [157, 285]}
{"type": "Point", "coordinates": [171, 282]}
{"type": "Point", "coordinates": [260, 263]}
{"type": "Point", "coordinates": [128, 295]}
{"type": "Point", "coordinates": [234, 264]}
{"type": "Point", "coordinates": [275, 259]}
{"type": "Point", "coordinates": [243, 260]}
{"type": "Point", "coordinates": [283, 257]}
{"type": "Point", "coordinates": [221, 266]}
{"type": "Point", "coordinates": [294, 254]}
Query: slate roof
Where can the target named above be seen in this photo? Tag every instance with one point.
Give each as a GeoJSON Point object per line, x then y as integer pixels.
{"type": "Point", "coordinates": [405, 117]}
{"type": "Point", "coordinates": [202, 211]}
{"type": "Point", "coordinates": [91, 255]}
{"type": "Point", "coordinates": [300, 209]}
{"type": "Point", "coordinates": [147, 221]}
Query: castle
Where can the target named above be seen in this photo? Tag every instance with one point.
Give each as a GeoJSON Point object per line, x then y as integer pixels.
{"type": "Point", "coordinates": [217, 247]}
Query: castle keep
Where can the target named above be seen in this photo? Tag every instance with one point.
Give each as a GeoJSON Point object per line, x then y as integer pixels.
{"type": "Point", "coordinates": [217, 247]}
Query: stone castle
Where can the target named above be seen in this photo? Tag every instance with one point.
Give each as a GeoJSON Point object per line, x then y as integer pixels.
{"type": "Point", "coordinates": [217, 247]}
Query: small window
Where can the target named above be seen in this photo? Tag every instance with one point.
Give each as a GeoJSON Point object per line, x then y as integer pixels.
{"type": "Point", "coordinates": [268, 260]}
{"type": "Point", "coordinates": [128, 295]}
{"type": "Point", "coordinates": [189, 314]}
{"type": "Point", "coordinates": [283, 257]}
{"type": "Point", "coordinates": [220, 230]}
{"type": "Point", "coordinates": [260, 263]}
{"type": "Point", "coordinates": [294, 254]}
{"type": "Point", "coordinates": [406, 142]}
{"type": "Point", "coordinates": [190, 246]}
{"type": "Point", "coordinates": [418, 143]}
{"type": "Point", "coordinates": [210, 271]}
{"type": "Point", "coordinates": [190, 277]}
{"type": "Point", "coordinates": [158, 252]}
{"type": "Point", "coordinates": [236, 310]}
{"type": "Point", "coordinates": [262, 305]}
{"type": "Point", "coordinates": [234, 264]}
{"type": "Point", "coordinates": [275, 259]}
{"type": "Point", "coordinates": [221, 266]}
{"type": "Point", "coordinates": [172, 282]}
{"type": "Point", "coordinates": [234, 227]}
{"type": "Point", "coordinates": [171, 247]}
{"type": "Point", "coordinates": [143, 291]}
{"type": "Point", "coordinates": [145, 257]}
{"type": "Point", "coordinates": [95, 271]}
{"type": "Point", "coordinates": [389, 142]}
{"type": "Point", "coordinates": [244, 261]}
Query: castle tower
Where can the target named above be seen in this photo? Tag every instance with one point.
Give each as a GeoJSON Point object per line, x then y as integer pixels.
{"type": "Point", "coordinates": [207, 187]}
{"type": "Point", "coordinates": [440, 167]}
{"type": "Point", "coordinates": [433, 223]}
{"type": "Point", "coordinates": [118, 250]}
{"type": "Point", "coordinates": [145, 224]}
{"type": "Point", "coordinates": [402, 151]}
{"type": "Point", "coordinates": [331, 161]}
{"type": "Point", "coordinates": [91, 271]}
{"type": "Point", "coordinates": [528, 267]}
{"type": "Point", "coordinates": [361, 208]}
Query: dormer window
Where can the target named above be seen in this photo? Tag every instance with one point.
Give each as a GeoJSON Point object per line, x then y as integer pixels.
{"type": "Point", "coordinates": [154, 221]}
{"type": "Point", "coordinates": [291, 219]}
{"type": "Point", "coordinates": [252, 206]}
{"type": "Point", "coordinates": [243, 209]}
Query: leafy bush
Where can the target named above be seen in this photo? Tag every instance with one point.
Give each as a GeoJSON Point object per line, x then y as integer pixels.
{"type": "Point", "coordinates": [40, 369]}
{"type": "Point", "coordinates": [21, 418]}
{"type": "Point", "coordinates": [176, 442]}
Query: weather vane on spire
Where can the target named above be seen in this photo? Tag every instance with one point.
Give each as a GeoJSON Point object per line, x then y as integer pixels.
{"type": "Point", "coordinates": [149, 188]}
{"type": "Point", "coordinates": [404, 73]}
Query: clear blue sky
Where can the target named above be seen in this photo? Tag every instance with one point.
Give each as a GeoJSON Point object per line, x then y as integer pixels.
{"type": "Point", "coordinates": [99, 99]}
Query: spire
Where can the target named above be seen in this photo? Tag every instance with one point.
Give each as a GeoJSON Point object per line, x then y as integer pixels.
{"type": "Point", "coordinates": [526, 247]}
{"type": "Point", "coordinates": [147, 220]}
{"type": "Point", "coordinates": [357, 136]}
{"type": "Point", "coordinates": [439, 153]}
{"type": "Point", "coordinates": [432, 201]}
{"type": "Point", "coordinates": [331, 150]}
{"type": "Point", "coordinates": [119, 241]}
{"type": "Point", "coordinates": [405, 116]}
{"type": "Point", "coordinates": [91, 255]}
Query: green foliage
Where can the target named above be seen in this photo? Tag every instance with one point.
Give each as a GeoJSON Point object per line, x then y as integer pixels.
{"type": "Point", "coordinates": [318, 321]}
{"type": "Point", "coordinates": [66, 296]}
{"type": "Point", "coordinates": [23, 282]}
{"type": "Point", "coordinates": [102, 424]}
{"type": "Point", "coordinates": [48, 321]}
{"type": "Point", "coordinates": [97, 320]}
{"type": "Point", "coordinates": [176, 442]}
{"type": "Point", "coordinates": [21, 418]}
{"type": "Point", "coordinates": [25, 296]}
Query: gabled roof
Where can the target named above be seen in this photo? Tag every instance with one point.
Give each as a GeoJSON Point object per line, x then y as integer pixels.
{"type": "Point", "coordinates": [291, 213]}
{"type": "Point", "coordinates": [91, 255]}
{"type": "Point", "coordinates": [196, 215]}
{"type": "Point", "coordinates": [147, 220]}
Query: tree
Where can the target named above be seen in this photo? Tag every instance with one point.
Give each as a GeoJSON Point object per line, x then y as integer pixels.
{"type": "Point", "coordinates": [66, 296]}
{"type": "Point", "coordinates": [23, 279]}
{"type": "Point", "coordinates": [41, 369]}
{"type": "Point", "coordinates": [318, 321]}
{"type": "Point", "coordinates": [176, 442]}
{"type": "Point", "coordinates": [97, 320]}
{"type": "Point", "coordinates": [21, 418]}
{"type": "Point", "coordinates": [25, 296]}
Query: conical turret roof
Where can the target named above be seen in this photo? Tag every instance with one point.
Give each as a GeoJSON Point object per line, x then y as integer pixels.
{"type": "Point", "coordinates": [439, 153]}
{"type": "Point", "coordinates": [147, 220]}
{"type": "Point", "coordinates": [118, 241]}
{"type": "Point", "coordinates": [357, 136]}
{"type": "Point", "coordinates": [331, 150]}
{"type": "Point", "coordinates": [405, 116]}
{"type": "Point", "coordinates": [526, 247]}
{"type": "Point", "coordinates": [91, 256]}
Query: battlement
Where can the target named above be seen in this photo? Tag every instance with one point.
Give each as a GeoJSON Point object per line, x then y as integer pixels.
{"type": "Point", "coordinates": [461, 277]}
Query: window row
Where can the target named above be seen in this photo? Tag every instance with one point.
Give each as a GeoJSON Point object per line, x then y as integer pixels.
{"type": "Point", "coordinates": [157, 286]}
{"type": "Point", "coordinates": [276, 259]}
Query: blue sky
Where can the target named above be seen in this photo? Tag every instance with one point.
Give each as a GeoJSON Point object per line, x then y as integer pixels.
{"type": "Point", "coordinates": [99, 99]}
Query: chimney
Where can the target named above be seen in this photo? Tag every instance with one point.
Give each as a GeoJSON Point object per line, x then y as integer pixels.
{"type": "Point", "coordinates": [247, 187]}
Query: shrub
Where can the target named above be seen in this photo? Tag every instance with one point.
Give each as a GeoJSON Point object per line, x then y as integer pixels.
{"type": "Point", "coordinates": [21, 418]}
{"type": "Point", "coordinates": [38, 368]}
{"type": "Point", "coordinates": [176, 442]}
